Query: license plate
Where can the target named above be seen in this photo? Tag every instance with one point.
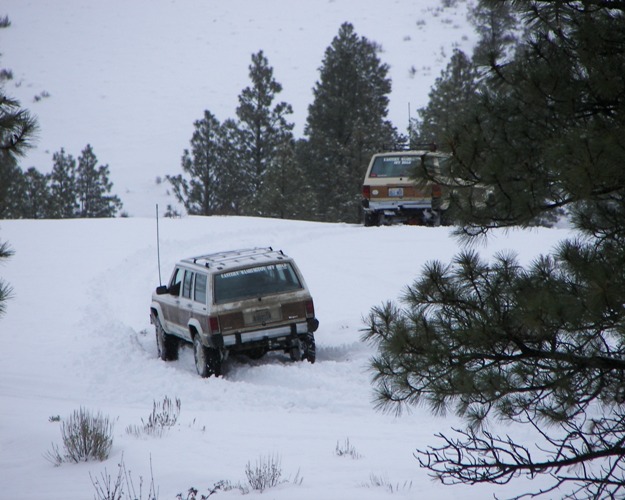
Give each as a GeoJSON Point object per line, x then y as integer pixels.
{"type": "Point", "coordinates": [261, 316]}
{"type": "Point", "coordinates": [396, 192]}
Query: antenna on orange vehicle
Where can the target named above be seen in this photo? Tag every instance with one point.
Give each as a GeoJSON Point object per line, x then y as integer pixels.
{"type": "Point", "coordinates": [409, 127]}
{"type": "Point", "coordinates": [158, 249]}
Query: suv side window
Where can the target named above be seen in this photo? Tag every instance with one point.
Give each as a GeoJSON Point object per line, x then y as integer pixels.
{"type": "Point", "coordinates": [174, 285]}
{"type": "Point", "coordinates": [199, 290]}
{"type": "Point", "coordinates": [186, 285]}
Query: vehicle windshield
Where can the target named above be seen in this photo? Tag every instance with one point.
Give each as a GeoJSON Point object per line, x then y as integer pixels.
{"type": "Point", "coordinates": [255, 282]}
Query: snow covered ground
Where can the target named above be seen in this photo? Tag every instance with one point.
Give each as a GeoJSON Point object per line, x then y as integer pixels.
{"type": "Point", "coordinates": [77, 334]}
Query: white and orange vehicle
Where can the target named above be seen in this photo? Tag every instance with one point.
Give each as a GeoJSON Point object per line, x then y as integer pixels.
{"type": "Point", "coordinates": [391, 194]}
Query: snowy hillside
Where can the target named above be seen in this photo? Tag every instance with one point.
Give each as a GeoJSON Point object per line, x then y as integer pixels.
{"type": "Point", "coordinates": [130, 78]}
{"type": "Point", "coordinates": [77, 334]}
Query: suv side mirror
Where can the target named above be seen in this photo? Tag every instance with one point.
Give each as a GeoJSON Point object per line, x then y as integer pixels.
{"type": "Point", "coordinates": [161, 290]}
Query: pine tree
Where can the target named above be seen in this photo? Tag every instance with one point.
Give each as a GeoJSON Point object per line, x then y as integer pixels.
{"type": "Point", "coordinates": [542, 345]}
{"type": "Point", "coordinates": [17, 131]}
{"type": "Point", "coordinates": [235, 184]}
{"type": "Point", "coordinates": [457, 87]}
{"type": "Point", "coordinates": [287, 196]}
{"type": "Point", "coordinates": [11, 184]}
{"type": "Point", "coordinates": [35, 195]}
{"type": "Point", "coordinates": [93, 187]}
{"type": "Point", "coordinates": [453, 92]}
{"type": "Point", "coordinates": [496, 24]}
{"type": "Point", "coordinates": [5, 289]}
{"type": "Point", "coordinates": [263, 126]}
{"type": "Point", "coordinates": [200, 194]}
{"type": "Point", "coordinates": [63, 189]}
{"type": "Point", "coordinates": [346, 123]}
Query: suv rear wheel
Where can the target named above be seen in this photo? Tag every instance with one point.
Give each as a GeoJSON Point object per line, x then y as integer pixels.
{"type": "Point", "coordinates": [207, 360]}
{"type": "Point", "coordinates": [371, 219]}
{"type": "Point", "coordinates": [309, 349]}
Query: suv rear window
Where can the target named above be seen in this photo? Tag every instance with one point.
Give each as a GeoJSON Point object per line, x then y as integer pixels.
{"type": "Point", "coordinates": [255, 282]}
{"type": "Point", "coordinates": [394, 166]}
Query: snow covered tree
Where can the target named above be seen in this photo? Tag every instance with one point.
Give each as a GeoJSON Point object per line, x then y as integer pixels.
{"type": "Point", "coordinates": [346, 124]}
{"type": "Point", "coordinates": [63, 189]}
{"type": "Point", "coordinates": [263, 126]}
{"type": "Point", "coordinates": [93, 187]}
{"type": "Point", "coordinates": [200, 193]}
{"type": "Point", "coordinates": [542, 345]}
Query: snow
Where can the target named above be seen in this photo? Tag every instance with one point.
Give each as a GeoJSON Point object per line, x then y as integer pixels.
{"type": "Point", "coordinates": [77, 334]}
{"type": "Point", "coordinates": [130, 78]}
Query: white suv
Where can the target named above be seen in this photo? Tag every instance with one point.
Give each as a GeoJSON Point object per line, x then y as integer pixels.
{"type": "Point", "coordinates": [250, 301]}
{"type": "Point", "coordinates": [391, 195]}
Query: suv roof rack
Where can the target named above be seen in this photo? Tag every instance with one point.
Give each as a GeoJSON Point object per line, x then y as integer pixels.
{"type": "Point", "coordinates": [429, 146]}
{"type": "Point", "coordinates": [233, 257]}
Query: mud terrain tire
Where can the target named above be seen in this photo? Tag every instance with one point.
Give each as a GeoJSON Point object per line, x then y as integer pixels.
{"type": "Point", "coordinates": [308, 347]}
{"type": "Point", "coordinates": [166, 345]}
{"type": "Point", "coordinates": [207, 360]}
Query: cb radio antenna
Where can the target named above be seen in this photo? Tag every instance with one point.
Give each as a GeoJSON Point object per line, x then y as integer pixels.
{"type": "Point", "coordinates": [158, 249]}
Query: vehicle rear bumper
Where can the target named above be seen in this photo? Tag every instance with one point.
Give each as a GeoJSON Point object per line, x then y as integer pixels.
{"type": "Point", "coordinates": [284, 331]}
{"type": "Point", "coordinates": [398, 205]}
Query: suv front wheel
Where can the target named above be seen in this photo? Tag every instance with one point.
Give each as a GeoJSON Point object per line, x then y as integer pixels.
{"type": "Point", "coordinates": [207, 360]}
{"type": "Point", "coordinates": [166, 345]}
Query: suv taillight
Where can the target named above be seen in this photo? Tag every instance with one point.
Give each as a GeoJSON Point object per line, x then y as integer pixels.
{"type": "Point", "coordinates": [213, 324]}
{"type": "Point", "coordinates": [310, 309]}
{"type": "Point", "coordinates": [366, 192]}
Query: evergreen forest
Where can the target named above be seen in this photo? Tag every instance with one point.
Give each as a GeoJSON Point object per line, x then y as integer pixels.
{"type": "Point", "coordinates": [253, 165]}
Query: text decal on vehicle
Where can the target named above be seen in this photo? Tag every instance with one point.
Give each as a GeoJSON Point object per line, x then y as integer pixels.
{"type": "Point", "coordinates": [253, 270]}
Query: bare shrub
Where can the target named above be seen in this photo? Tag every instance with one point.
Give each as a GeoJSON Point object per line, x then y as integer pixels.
{"type": "Point", "coordinates": [383, 482]}
{"type": "Point", "coordinates": [192, 493]}
{"type": "Point", "coordinates": [347, 450]}
{"type": "Point", "coordinates": [164, 416]}
{"type": "Point", "coordinates": [266, 473]}
{"type": "Point", "coordinates": [122, 487]}
{"type": "Point", "coordinates": [54, 456]}
{"type": "Point", "coordinates": [85, 436]}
